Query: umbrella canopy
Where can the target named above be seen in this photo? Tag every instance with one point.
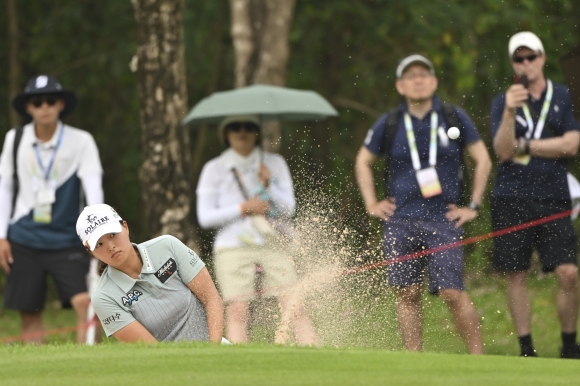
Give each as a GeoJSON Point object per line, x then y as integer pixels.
{"type": "Point", "coordinates": [268, 102]}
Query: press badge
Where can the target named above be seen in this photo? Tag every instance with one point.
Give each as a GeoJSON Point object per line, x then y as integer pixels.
{"type": "Point", "coordinates": [522, 159]}
{"type": "Point", "coordinates": [43, 208]}
{"type": "Point", "coordinates": [428, 182]}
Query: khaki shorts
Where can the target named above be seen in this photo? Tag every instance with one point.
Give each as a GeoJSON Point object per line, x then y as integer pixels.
{"type": "Point", "coordinates": [236, 270]}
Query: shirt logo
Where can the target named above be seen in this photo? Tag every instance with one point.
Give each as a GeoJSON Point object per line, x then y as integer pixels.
{"type": "Point", "coordinates": [166, 270]}
{"type": "Point", "coordinates": [194, 257]}
{"type": "Point", "coordinates": [131, 297]}
{"type": "Point", "coordinates": [111, 318]}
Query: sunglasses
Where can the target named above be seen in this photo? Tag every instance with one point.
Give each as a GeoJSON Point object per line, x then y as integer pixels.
{"type": "Point", "coordinates": [249, 127]}
{"type": "Point", "coordinates": [520, 59]}
{"type": "Point", "coordinates": [39, 100]}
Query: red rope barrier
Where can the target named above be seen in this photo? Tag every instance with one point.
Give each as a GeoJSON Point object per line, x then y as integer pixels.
{"type": "Point", "coordinates": [366, 267]}
{"type": "Point", "coordinates": [456, 244]}
{"type": "Point", "coordinates": [55, 331]}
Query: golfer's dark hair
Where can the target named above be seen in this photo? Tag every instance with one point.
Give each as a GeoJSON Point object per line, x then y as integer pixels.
{"type": "Point", "coordinates": [103, 266]}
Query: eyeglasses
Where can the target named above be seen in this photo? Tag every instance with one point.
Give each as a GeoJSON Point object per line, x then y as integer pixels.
{"type": "Point", "coordinates": [249, 127]}
{"type": "Point", "coordinates": [520, 59]}
{"type": "Point", "coordinates": [39, 100]}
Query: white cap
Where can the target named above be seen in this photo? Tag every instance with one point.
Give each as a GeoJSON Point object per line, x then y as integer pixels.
{"type": "Point", "coordinates": [95, 221]}
{"type": "Point", "coordinates": [525, 39]}
{"type": "Point", "coordinates": [413, 59]}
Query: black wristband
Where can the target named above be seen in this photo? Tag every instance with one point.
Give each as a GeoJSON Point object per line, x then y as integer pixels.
{"type": "Point", "coordinates": [527, 147]}
{"type": "Point", "coordinates": [473, 206]}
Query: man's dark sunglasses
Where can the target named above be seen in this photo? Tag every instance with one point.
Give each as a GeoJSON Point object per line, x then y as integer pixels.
{"type": "Point", "coordinates": [236, 127]}
{"type": "Point", "coordinates": [38, 100]}
{"type": "Point", "coordinates": [530, 57]}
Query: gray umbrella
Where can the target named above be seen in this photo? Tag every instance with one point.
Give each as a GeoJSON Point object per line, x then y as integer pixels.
{"type": "Point", "coordinates": [268, 102]}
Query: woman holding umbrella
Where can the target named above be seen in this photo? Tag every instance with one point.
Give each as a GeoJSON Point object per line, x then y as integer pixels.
{"type": "Point", "coordinates": [240, 192]}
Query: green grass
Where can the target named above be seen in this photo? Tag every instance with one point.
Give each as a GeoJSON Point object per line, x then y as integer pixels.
{"type": "Point", "coordinates": [204, 364]}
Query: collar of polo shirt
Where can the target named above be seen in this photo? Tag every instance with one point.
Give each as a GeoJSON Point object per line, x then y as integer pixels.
{"type": "Point", "coordinates": [126, 282]}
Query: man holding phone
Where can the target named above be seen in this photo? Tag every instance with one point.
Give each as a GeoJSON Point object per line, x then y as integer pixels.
{"type": "Point", "coordinates": [534, 134]}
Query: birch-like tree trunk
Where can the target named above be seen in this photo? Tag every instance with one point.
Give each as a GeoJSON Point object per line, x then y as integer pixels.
{"type": "Point", "coordinates": [160, 67]}
{"type": "Point", "coordinates": [260, 35]}
{"type": "Point", "coordinates": [14, 78]}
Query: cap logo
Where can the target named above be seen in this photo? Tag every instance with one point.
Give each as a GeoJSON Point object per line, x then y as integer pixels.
{"type": "Point", "coordinates": [94, 222]}
{"type": "Point", "coordinates": [41, 81]}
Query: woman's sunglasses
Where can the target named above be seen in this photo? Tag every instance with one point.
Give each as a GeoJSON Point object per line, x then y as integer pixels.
{"type": "Point", "coordinates": [38, 100]}
{"type": "Point", "coordinates": [520, 59]}
{"type": "Point", "coordinates": [249, 127]}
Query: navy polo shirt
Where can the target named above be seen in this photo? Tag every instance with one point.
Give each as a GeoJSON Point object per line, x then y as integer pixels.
{"type": "Point", "coordinates": [542, 178]}
{"type": "Point", "coordinates": [403, 183]}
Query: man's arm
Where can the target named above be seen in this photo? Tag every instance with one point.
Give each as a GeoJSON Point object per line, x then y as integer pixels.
{"type": "Point", "coordinates": [504, 142]}
{"type": "Point", "coordinates": [5, 210]}
{"type": "Point", "coordinates": [565, 146]}
{"type": "Point", "coordinates": [366, 183]}
{"type": "Point", "coordinates": [93, 188]}
{"type": "Point", "coordinates": [480, 157]}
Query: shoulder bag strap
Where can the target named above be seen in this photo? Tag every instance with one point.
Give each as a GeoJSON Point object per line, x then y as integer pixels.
{"type": "Point", "coordinates": [15, 181]}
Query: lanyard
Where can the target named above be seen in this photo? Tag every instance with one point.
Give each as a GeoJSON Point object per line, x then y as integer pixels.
{"type": "Point", "coordinates": [543, 114]}
{"type": "Point", "coordinates": [47, 170]}
{"type": "Point", "coordinates": [413, 143]}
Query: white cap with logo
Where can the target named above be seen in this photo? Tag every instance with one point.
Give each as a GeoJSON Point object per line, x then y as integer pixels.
{"type": "Point", "coordinates": [95, 221]}
{"type": "Point", "coordinates": [525, 39]}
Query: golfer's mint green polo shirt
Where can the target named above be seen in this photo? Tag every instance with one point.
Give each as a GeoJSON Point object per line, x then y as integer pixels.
{"type": "Point", "coordinates": [160, 299]}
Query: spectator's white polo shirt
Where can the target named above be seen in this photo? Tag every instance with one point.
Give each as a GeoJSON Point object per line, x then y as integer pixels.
{"type": "Point", "coordinates": [76, 158]}
{"type": "Point", "coordinates": [160, 299]}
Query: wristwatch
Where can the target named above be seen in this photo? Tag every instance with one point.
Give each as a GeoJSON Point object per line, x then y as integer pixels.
{"type": "Point", "coordinates": [473, 206]}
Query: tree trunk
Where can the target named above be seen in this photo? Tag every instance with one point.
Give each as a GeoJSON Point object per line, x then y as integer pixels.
{"type": "Point", "coordinates": [160, 66]}
{"type": "Point", "coordinates": [14, 77]}
{"type": "Point", "coordinates": [260, 35]}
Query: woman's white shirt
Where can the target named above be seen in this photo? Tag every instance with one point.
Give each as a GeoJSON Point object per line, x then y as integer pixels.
{"type": "Point", "coordinates": [219, 197]}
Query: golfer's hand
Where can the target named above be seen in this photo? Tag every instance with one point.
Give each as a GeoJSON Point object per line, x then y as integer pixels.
{"type": "Point", "coordinates": [382, 209]}
{"type": "Point", "coordinates": [264, 175]}
{"type": "Point", "coordinates": [516, 96]}
{"type": "Point", "coordinates": [5, 255]}
{"type": "Point", "coordinates": [460, 215]}
{"type": "Point", "coordinates": [255, 206]}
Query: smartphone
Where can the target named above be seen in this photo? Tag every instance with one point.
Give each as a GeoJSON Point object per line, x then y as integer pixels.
{"type": "Point", "coordinates": [521, 79]}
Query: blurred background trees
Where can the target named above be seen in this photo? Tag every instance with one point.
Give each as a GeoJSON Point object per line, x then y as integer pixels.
{"type": "Point", "coordinates": [346, 50]}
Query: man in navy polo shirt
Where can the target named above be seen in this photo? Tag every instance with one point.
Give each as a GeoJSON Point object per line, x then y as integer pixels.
{"type": "Point", "coordinates": [421, 210]}
{"type": "Point", "coordinates": [534, 134]}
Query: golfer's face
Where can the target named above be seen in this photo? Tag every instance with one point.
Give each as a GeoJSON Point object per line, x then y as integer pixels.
{"type": "Point", "coordinates": [114, 248]}
{"type": "Point", "coordinates": [242, 137]}
{"type": "Point", "coordinates": [44, 110]}
{"type": "Point", "coordinates": [531, 63]}
{"type": "Point", "coordinates": [417, 83]}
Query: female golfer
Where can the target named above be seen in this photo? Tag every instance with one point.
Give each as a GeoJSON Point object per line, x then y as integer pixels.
{"type": "Point", "coordinates": [238, 192]}
{"type": "Point", "coordinates": [159, 290]}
